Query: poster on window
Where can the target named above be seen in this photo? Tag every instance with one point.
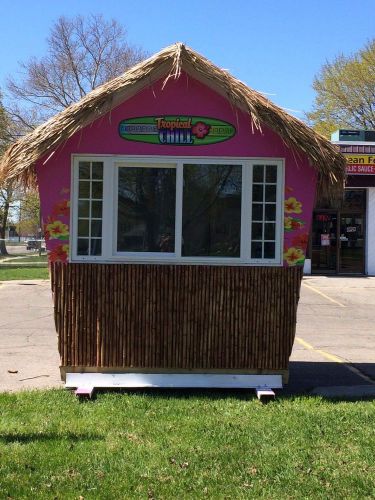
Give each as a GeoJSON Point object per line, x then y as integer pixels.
{"type": "Point", "coordinates": [324, 240]}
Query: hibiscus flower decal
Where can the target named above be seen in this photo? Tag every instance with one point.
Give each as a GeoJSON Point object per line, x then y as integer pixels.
{"type": "Point", "coordinates": [59, 253]}
{"type": "Point", "coordinates": [200, 130]}
{"type": "Point", "coordinates": [293, 223]}
{"type": "Point", "coordinates": [292, 206]}
{"type": "Point", "coordinates": [301, 240]}
{"type": "Point", "coordinates": [294, 256]}
{"type": "Point", "coordinates": [56, 230]}
{"type": "Point", "coordinates": [61, 209]}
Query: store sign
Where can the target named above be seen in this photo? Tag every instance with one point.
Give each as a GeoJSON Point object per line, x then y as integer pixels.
{"type": "Point", "coordinates": [176, 130]}
{"type": "Point", "coordinates": [360, 164]}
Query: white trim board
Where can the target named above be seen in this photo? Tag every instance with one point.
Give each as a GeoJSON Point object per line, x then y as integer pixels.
{"type": "Point", "coordinates": [172, 380]}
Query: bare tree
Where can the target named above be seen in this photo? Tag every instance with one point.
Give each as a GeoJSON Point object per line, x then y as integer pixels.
{"type": "Point", "coordinates": [6, 192]}
{"type": "Point", "coordinates": [82, 54]}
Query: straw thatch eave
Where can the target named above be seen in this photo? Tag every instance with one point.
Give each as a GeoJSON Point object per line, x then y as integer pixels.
{"type": "Point", "coordinates": [19, 160]}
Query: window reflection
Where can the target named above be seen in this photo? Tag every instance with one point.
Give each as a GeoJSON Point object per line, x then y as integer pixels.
{"type": "Point", "coordinates": [211, 216]}
{"type": "Point", "coordinates": [146, 209]}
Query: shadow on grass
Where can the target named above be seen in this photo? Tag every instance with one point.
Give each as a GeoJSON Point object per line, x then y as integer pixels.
{"type": "Point", "coordinates": [9, 438]}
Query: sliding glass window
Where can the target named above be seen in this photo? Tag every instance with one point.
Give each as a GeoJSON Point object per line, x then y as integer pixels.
{"type": "Point", "coordinates": [179, 210]}
{"type": "Point", "coordinates": [146, 209]}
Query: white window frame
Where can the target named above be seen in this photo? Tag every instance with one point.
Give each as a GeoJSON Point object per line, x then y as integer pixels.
{"type": "Point", "coordinates": [111, 164]}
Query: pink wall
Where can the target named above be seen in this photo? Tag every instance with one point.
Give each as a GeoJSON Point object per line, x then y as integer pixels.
{"type": "Point", "coordinates": [183, 97]}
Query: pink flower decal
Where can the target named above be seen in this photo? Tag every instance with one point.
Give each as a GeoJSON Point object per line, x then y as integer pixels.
{"type": "Point", "coordinates": [200, 130]}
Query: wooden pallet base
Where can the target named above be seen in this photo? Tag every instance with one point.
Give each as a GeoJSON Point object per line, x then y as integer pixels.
{"type": "Point", "coordinates": [85, 382]}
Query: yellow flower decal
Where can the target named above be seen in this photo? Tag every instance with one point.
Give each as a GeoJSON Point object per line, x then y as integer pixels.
{"type": "Point", "coordinates": [294, 256]}
{"type": "Point", "coordinates": [293, 224]}
{"type": "Point", "coordinates": [292, 206]}
{"type": "Point", "coordinates": [288, 223]}
{"type": "Point", "coordinates": [57, 230]}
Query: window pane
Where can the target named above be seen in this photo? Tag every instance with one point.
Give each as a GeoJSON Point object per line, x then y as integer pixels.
{"type": "Point", "coordinates": [83, 246]}
{"type": "Point", "coordinates": [269, 231]}
{"type": "Point", "coordinates": [97, 170]}
{"type": "Point", "coordinates": [95, 246]}
{"type": "Point", "coordinates": [258, 192]}
{"type": "Point", "coordinates": [84, 170]}
{"type": "Point", "coordinates": [271, 173]}
{"type": "Point", "coordinates": [97, 190]}
{"type": "Point", "coordinates": [83, 228]}
{"type": "Point", "coordinates": [96, 209]}
{"type": "Point", "coordinates": [354, 199]}
{"type": "Point", "coordinates": [258, 173]}
{"type": "Point", "coordinates": [269, 250]}
{"type": "Point", "coordinates": [256, 250]}
{"type": "Point", "coordinates": [270, 212]}
{"type": "Point", "coordinates": [146, 209]}
{"type": "Point", "coordinates": [263, 235]}
{"type": "Point", "coordinates": [83, 208]}
{"type": "Point", "coordinates": [271, 193]}
{"type": "Point", "coordinates": [211, 215]}
{"type": "Point", "coordinates": [257, 212]}
{"type": "Point", "coordinates": [84, 189]}
{"type": "Point", "coordinates": [256, 231]}
{"type": "Point", "coordinates": [96, 228]}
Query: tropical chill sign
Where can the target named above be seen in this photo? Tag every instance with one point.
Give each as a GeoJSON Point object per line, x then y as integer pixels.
{"type": "Point", "coordinates": [176, 130]}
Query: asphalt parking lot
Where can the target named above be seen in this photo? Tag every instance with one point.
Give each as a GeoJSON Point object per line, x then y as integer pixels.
{"type": "Point", "coordinates": [335, 338]}
{"type": "Point", "coordinates": [335, 341]}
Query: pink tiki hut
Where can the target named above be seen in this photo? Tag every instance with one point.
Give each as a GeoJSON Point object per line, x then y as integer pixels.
{"type": "Point", "coordinates": [176, 205]}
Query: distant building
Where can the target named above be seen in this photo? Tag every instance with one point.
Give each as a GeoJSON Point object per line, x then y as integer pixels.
{"type": "Point", "coordinates": [343, 238]}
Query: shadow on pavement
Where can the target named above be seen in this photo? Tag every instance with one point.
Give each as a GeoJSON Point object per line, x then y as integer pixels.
{"type": "Point", "coordinates": [305, 376]}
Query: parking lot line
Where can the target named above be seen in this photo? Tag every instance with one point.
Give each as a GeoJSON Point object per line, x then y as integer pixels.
{"type": "Point", "coordinates": [335, 359]}
{"type": "Point", "coordinates": [323, 294]}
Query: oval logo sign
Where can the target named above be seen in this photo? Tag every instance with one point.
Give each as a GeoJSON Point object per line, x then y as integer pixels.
{"type": "Point", "coordinates": [176, 130]}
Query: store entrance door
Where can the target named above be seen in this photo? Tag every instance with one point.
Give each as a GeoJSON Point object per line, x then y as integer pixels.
{"type": "Point", "coordinates": [352, 248]}
{"type": "Point", "coordinates": [324, 243]}
{"type": "Point", "coordinates": [338, 243]}
{"type": "Point", "coordinates": [338, 236]}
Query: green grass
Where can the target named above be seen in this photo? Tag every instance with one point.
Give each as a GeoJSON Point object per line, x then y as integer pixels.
{"type": "Point", "coordinates": [23, 273]}
{"type": "Point", "coordinates": [184, 446]}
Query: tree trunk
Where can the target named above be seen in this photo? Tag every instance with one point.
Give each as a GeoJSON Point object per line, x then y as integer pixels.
{"type": "Point", "coordinates": [3, 225]}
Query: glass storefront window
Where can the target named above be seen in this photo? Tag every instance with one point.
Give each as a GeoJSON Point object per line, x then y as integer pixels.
{"type": "Point", "coordinates": [354, 199]}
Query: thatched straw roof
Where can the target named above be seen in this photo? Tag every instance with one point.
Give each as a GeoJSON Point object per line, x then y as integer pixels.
{"type": "Point", "coordinates": [19, 160]}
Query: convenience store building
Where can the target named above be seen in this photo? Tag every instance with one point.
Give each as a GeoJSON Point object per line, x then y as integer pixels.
{"type": "Point", "coordinates": [343, 237]}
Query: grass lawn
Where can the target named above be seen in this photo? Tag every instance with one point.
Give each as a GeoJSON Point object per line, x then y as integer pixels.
{"type": "Point", "coordinates": [23, 273]}
{"type": "Point", "coordinates": [181, 445]}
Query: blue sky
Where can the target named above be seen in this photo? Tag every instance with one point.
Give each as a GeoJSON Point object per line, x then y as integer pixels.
{"type": "Point", "coordinates": [274, 46]}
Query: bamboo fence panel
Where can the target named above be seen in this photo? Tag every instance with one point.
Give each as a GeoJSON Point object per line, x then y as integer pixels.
{"type": "Point", "coordinates": [175, 317]}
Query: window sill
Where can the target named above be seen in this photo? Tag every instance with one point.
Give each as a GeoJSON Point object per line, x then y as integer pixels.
{"type": "Point", "coordinates": [176, 262]}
